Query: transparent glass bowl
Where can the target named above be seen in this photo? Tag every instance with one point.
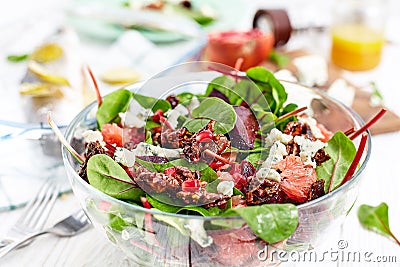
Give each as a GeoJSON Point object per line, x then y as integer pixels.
{"type": "Point", "coordinates": [179, 240]}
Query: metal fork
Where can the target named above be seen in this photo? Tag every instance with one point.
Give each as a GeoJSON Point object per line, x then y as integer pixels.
{"type": "Point", "coordinates": [35, 214]}
{"type": "Point", "coordinates": [70, 226]}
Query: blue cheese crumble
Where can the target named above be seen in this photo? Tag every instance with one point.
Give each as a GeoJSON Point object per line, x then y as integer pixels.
{"type": "Point", "coordinates": [144, 149]}
{"type": "Point", "coordinates": [226, 188]}
{"type": "Point", "coordinates": [125, 156]}
{"type": "Point", "coordinates": [308, 149]}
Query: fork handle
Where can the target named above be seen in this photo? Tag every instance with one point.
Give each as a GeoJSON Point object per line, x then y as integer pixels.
{"type": "Point", "coordinates": [16, 243]}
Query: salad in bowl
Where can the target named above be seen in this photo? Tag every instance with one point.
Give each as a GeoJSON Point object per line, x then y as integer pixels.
{"type": "Point", "coordinates": [203, 164]}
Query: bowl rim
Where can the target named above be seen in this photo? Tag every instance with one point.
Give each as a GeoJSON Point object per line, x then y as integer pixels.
{"type": "Point", "coordinates": [352, 114]}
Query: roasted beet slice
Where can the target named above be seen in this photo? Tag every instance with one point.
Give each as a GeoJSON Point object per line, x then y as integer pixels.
{"type": "Point", "coordinates": [154, 159]}
{"type": "Point", "coordinates": [218, 94]}
{"type": "Point", "coordinates": [243, 134]}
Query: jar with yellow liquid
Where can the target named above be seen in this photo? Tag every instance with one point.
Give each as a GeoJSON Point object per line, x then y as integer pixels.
{"type": "Point", "coordinates": [358, 33]}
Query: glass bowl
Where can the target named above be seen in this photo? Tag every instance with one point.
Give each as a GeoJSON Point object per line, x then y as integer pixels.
{"type": "Point", "coordinates": [187, 240]}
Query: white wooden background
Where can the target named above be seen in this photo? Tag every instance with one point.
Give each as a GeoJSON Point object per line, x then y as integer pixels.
{"type": "Point", "coordinates": [381, 179]}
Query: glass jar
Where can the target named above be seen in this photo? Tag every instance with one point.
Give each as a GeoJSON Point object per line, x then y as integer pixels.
{"type": "Point", "coordinates": [358, 33]}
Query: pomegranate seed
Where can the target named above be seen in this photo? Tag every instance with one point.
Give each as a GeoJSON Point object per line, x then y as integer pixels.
{"type": "Point", "coordinates": [191, 185]}
{"type": "Point", "coordinates": [235, 168]}
{"type": "Point", "coordinates": [171, 171]}
{"type": "Point", "coordinates": [157, 115]}
{"type": "Point", "coordinates": [240, 181]}
{"type": "Point", "coordinates": [145, 203]}
{"type": "Point", "coordinates": [216, 164]}
{"type": "Point", "coordinates": [204, 136]}
{"type": "Point", "coordinates": [247, 169]}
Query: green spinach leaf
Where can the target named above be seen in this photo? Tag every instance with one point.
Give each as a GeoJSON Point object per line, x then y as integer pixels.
{"type": "Point", "coordinates": [266, 80]}
{"type": "Point", "coordinates": [152, 103]}
{"type": "Point", "coordinates": [225, 85]}
{"type": "Point", "coordinates": [342, 152]}
{"type": "Point", "coordinates": [110, 178]}
{"type": "Point", "coordinates": [271, 222]}
{"type": "Point", "coordinates": [155, 203]}
{"type": "Point", "coordinates": [376, 219]}
{"type": "Point", "coordinates": [215, 109]}
{"type": "Point", "coordinates": [113, 103]}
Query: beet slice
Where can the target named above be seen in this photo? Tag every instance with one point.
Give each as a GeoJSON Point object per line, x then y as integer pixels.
{"type": "Point", "coordinates": [220, 95]}
{"type": "Point", "coordinates": [154, 159]}
{"type": "Point", "coordinates": [244, 133]}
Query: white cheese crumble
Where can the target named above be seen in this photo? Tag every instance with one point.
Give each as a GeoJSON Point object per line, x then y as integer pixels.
{"type": "Point", "coordinates": [340, 90]}
{"type": "Point", "coordinates": [276, 135]}
{"type": "Point", "coordinates": [312, 70]}
{"type": "Point", "coordinates": [90, 136]}
{"type": "Point", "coordinates": [268, 173]}
{"type": "Point", "coordinates": [124, 156]}
{"type": "Point", "coordinates": [285, 75]}
{"type": "Point", "coordinates": [308, 149]}
{"type": "Point", "coordinates": [144, 149]}
{"type": "Point", "coordinates": [226, 188]}
{"type": "Point", "coordinates": [197, 232]}
{"type": "Point", "coordinates": [173, 114]}
{"type": "Point", "coordinates": [276, 153]}
{"type": "Point", "coordinates": [136, 116]}
{"type": "Point", "coordinates": [313, 126]}
{"type": "Point", "coordinates": [194, 103]}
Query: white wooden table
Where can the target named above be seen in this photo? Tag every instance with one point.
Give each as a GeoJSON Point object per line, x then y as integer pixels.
{"type": "Point", "coordinates": [381, 183]}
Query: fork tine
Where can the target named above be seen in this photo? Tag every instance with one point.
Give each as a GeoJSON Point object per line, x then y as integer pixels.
{"type": "Point", "coordinates": [31, 207]}
{"type": "Point", "coordinates": [39, 212]}
{"type": "Point", "coordinates": [47, 209]}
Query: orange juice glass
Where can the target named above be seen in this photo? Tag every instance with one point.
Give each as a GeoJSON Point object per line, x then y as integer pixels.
{"type": "Point", "coordinates": [358, 34]}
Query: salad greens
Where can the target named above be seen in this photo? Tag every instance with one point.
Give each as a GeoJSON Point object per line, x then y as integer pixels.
{"type": "Point", "coordinates": [152, 103]}
{"type": "Point", "coordinates": [342, 152]}
{"type": "Point", "coordinates": [376, 219]}
{"type": "Point", "coordinates": [109, 177]}
{"type": "Point", "coordinates": [271, 222]}
{"type": "Point", "coordinates": [113, 104]}
{"type": "Point", "coordinates": [212, 109]}
{"type": "Point", "coordinates": [241, 133]}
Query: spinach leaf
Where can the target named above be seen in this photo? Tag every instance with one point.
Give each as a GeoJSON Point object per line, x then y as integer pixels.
{"type": "Point", "coordinates": [113, 103]}
{"type": "Point", "coordinates": [152, 103]}
{"type": "Point", "coordinates": [225, 85]}
{"type": "Point", "coordinates": [271, 222]}
{"type": "Point", "coordinates": [265, 118]}
{"type": "Point", "coordinates": [288, 108]}
{"type": "Point", "coordinates": [150, 124]}
{"type": "Point", "coordinates": [252, 94]}
{"type": "Point", "coordinates": [162, 206]}
{"type": "Point", "coordinates": [342, 152]}
{"type": "Point", "coordinates": [376, 219]}
{"type": "Point", "coordinates": [265, 80]}
{"type": "Point", "coordinates": [117, 223]}
{"type": "Point", "coordinates": [149, 139]}
{"type": "Point", "coordinates": [110, 178]}
{"type": "Point", "coordinates": [17, 58]}
{"type": "Point", "coordinates": [175, 209]}
{"type": "Point", "coordinates": [254, 158]}
{"type": "Point", "coordinates": [214, 109]}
